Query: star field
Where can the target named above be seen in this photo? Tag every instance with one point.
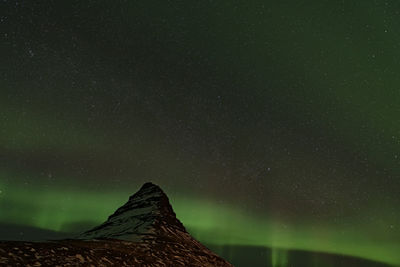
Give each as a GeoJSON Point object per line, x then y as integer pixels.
{"type": "Point", "coordinates": [267, 123]}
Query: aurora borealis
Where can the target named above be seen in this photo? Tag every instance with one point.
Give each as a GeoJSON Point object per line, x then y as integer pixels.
{"type": "Point", "coordinates": [267, 123]}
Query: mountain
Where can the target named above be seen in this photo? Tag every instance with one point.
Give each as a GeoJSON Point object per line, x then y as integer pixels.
{"type": "Point", "coordinates": [147, 215]}
{"type": "Point", "coordinates": [143, 232]}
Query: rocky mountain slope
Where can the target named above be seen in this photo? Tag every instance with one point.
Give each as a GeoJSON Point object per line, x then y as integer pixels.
{"type": "Point", "coordinates": [147, 215]}
{"type": "Point", "coordinates": [143, 232]}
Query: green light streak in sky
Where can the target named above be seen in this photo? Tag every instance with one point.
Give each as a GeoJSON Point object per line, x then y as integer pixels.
{"type": "Point", "coordinates": [317, 77]}
{"type": "Point", "coordinates": [279, 258]}
{"type": "Point", "coordinates": [68, 209]}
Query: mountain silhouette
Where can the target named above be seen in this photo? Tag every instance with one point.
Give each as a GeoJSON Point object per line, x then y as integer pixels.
{"type": "Point", "coordinates": [142, 232]}
{"type": "Point", "coordinates": [147, 215]}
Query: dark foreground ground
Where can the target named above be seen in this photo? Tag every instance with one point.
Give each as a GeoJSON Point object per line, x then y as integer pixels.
{"type": "Point", "coordinates": [103, 253]}
{"type": "Point", "coordinates": [244, 256]}
{"type": "Point", "coordinates": [123, 253]}
{"type": "Point", "coordinates": [70, 253]}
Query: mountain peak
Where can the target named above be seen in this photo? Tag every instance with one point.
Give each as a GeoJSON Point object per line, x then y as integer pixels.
{"type": "Point", "coordinates": [148, 189]}
{"type": "Point", "coordinates": [143, 232]}
{"type": "Point", "coordinates": [150, 185]}
{"type": "Point", "coordinates": [146, 215]}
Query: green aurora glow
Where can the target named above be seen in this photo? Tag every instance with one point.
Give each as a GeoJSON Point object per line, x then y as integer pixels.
{"type": "Point", "coordinates": [270, 123]}
{"type": "Point", "coordinates": [68, 210]}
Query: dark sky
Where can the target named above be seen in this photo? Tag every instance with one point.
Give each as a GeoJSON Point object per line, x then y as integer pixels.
{"type": "Point", "coordinates": [273, 123]}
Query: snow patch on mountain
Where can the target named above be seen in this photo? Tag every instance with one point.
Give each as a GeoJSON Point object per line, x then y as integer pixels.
{"type": "Point", "coordinates": [146, 215]}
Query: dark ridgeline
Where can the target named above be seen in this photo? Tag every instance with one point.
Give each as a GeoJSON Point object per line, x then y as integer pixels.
{"type": "Point", "coordinates": [147, 215]}
{"type": "Point", "coordinates": [143, 232]}
{"type": "Point", "coordinates": [254, 256]}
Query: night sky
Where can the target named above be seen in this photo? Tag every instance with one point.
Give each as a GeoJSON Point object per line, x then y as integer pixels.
{"type": "Point", "coordinates": [267, 123]}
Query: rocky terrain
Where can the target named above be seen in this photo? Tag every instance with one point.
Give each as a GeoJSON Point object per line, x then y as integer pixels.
{"type": "Point", "coordinates": [143, 232]}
